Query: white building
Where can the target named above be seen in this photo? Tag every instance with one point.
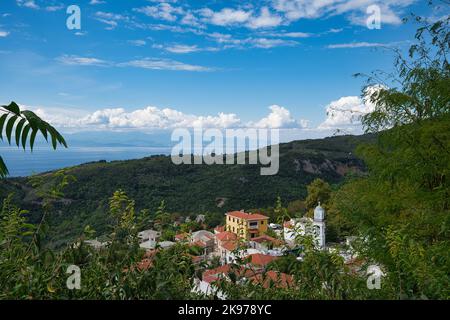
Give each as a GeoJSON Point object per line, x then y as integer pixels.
{"type": "Point", "coordinates": [307, 226]}
{"type": "Point", "coordinates": [148, 245]}
{"type": "Point", "coordinates": [149, 235]}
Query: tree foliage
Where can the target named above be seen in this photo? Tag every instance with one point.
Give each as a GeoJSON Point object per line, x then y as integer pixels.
{"type": "Point", "coordinates": [24, 125]}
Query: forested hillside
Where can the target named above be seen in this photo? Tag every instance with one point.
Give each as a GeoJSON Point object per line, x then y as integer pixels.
{"type": "Point", "coordinates": [186, 189]}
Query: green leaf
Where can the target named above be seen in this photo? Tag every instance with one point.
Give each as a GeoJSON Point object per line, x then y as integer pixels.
{"type": "Point", "coordinates": [32, 138]}
{"type": "Point", "coordinates": [13, 107]}
{"type": "Point", "coordinates": [3, 169]}
{"type": "Point", "coordinates": [19, 131]}
{"type": "Point", "coordinates": [9, 127]}
{"type": "Point", "coordinates": [32, 118]}
{"type": "Point", "coordinates": [2, 123]}
{"type": "Point", "coordinates": [25, 132]}
{"type": "Point", "coordinates": [53, 135]}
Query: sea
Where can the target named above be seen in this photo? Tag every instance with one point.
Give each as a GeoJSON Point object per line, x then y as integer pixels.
{"type": "Point", "coordinates": [22, 163]}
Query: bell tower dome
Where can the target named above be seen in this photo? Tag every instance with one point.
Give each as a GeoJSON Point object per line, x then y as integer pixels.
{"type": "Point", "coordinates": [319, 213]}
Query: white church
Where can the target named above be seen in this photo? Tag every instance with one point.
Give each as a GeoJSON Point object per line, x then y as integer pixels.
{"type": "Point", "coordinates": [307, 226]}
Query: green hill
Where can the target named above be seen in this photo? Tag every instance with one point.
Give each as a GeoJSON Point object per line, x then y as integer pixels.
{"type": "Point", "coordinates": [187, 188]}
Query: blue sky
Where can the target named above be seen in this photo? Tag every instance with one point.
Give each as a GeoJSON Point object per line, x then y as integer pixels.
{"type": "Point", "coordinates": [162, 64]}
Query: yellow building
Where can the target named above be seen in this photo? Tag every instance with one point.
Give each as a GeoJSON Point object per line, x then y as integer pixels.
{"type": "Point", "coordinates": [246, 225]}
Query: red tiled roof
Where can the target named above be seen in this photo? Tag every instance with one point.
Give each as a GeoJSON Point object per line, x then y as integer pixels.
{"type": "Point", "coordinates": [260, 259]}
{"type": "Point", "coordinates": [247, 216]}
{"type": "Point", "coordinates": [226, 236]}
{"type": "Point", "coordinates": [199, 244]}
{"type": "Point", "coordinates": [267, 238]}
{"type": "Point", "coordinates": [282, 280]}
{"type": "Point", "coordinates": [145, 264]}
{"type": "Point", "coordinates": [219, 229]}
{"type": "Point", "coordinates": [213, 274]}
{"type": "Point", "coordinates": [230, 245]}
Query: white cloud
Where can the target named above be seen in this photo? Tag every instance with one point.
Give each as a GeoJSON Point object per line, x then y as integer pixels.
{"type": "Point", "coordinates": [28, 4]}
{"type": "Point", "coordinates": [353, 45]}
{"type": "Point", "coordinates": [264, 20]}
{"type": "Point", "coordinates": [279, 117]}
{"type": "Point", "coordinates": [228, 41]}
{"type": "Point", "coordinates": [183, 48]}
{"type": "Point", "coordinates": [308, 9]}
{"type": "Point", "coordinates": [54, 8]}
{"type": "Point", "coordinates": [271, 43]}
{"type": "Point", "coordinates": [162, 11]}
{"type": "Point", "coordinates": [153, 117]}
{"type": "Point", "coordinates": [3, 34]}
{"type": "Point", "coordinates": [137, 43]}
{"type": "Point", "coordinates": [346, 112]}
{"type": "Point", "coordinates": [292, 34]}
{"type": "Point", "coordinates": [163, 64]}
{"type": "Point", "coordinates": [226, 16]}
{"type": "Point", "coordinates": [150, 117]}
{"type": "Point", "coordinates": [145, 63]}
{"type": "Point", "coordinates": [110, 19]}
{"type": "Point", "coordinates": [81, 61]}
{"type": "Point", "coordinates": [95, 2]}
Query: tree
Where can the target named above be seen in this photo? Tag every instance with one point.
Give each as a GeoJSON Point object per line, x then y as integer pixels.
{"type": "Point", "coordinates": [26, 124]}
{"type": "Point", "coordinates": [318, 191]}
{"type": "Point", "coordinates": [402, 208]}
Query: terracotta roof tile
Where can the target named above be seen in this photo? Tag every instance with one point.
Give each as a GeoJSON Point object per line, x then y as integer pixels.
{"type": "Point", "coordinates": [247, 216]}
{"type": "Point", "coordinates": [230, 245]}
{"type": "Point", "coordinates": [259, 259]}
{"type": "Point", "coordinates": [279, 280]}
{"type": "Point", "coordinates": [226, 236]}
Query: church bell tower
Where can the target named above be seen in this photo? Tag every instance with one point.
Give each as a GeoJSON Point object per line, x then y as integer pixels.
{"type": "Point", "coordinates": [319, 226]}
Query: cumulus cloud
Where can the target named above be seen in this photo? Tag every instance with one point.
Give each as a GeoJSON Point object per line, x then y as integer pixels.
{"type": "Point", "coordinates": [226, 16]}
{"type": "Point", "coordinates": [153, 117]}
{"type": "Point", "coordinates": [279, 117]}
{"type": "Point", "coordinates": [346, 112]}
{"type": "Point", "coordinates": [3, 34]}
{"type": "Point", "coordinates": [265, 19]}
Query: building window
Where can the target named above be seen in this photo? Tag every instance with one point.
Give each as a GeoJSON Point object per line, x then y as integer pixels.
{"type": "Point", "coordinates": [262, 222]}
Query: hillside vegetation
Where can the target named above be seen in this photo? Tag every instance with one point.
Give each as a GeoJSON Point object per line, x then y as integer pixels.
{"type": "Point", "coordinates": [186, 189]}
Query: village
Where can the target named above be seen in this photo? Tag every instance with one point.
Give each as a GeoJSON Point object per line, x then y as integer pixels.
{"type": "Point", "coordinates": [244, 238]}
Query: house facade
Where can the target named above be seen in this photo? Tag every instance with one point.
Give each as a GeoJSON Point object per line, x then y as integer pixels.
{"type": "Point", "coordinates": [246, 225]}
